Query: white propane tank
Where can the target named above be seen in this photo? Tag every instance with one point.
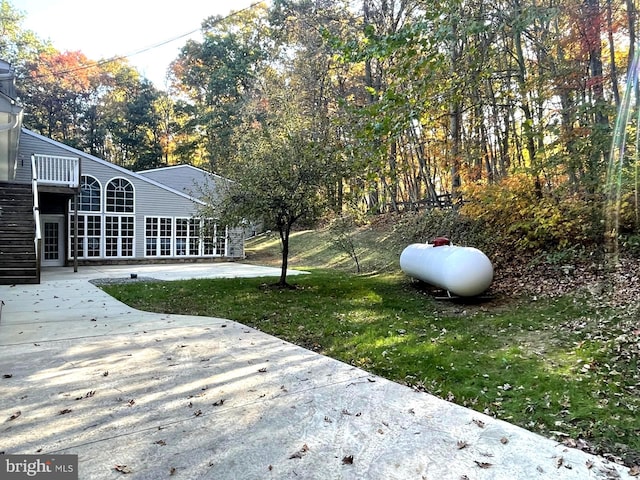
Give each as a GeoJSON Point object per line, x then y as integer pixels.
{"type": "Point", "coordinates": [462, 271]}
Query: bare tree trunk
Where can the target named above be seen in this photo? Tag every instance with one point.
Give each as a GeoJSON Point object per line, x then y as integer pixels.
{"type": "Point", "coordinates": [284, 230]}
{"type": "Point", "coordinates": [612, 56]}
{"type": "Point", "coordinates": [526, 109]}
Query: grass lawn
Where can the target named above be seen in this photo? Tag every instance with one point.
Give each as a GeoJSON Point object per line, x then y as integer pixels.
{"type": "Point", "coordinates": [562, 367]}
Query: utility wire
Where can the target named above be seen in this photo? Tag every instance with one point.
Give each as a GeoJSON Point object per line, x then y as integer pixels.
{"type": "Point", "coordinates": [146, 49]}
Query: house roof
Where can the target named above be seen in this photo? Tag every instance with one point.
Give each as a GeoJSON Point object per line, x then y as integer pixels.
{"type": "Point", "coordinates": [138, 176]}
{"type": "Point", "coordinates": [191, 180]}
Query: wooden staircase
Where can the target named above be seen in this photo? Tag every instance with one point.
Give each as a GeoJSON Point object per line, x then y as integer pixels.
{"type": "Point", "coordinates": [18, 260]}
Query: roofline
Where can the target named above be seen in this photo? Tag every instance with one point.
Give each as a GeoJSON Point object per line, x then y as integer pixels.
{"type": "Point", "coordinates": [110, 165]}
{"type": "Point", "coordinates": [151, 170]}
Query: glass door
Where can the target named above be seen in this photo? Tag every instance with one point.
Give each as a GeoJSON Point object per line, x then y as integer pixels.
{"type": "Point", "coordinates": [52, 228]}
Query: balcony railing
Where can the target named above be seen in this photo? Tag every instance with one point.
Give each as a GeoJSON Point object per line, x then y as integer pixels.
{"type": "Point", "coordinates": [54, 170]}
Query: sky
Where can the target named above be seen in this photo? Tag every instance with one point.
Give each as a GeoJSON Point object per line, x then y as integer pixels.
{"type": "Point", "coordinates": [104, 29]}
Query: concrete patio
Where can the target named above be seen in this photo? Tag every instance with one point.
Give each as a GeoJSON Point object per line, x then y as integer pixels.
{"type": "Point", "coordinates": [153, 396]}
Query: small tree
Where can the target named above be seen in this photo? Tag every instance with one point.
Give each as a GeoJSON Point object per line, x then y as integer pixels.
{"type": "Point", "coordinates": [280, 172]}
{"type": "Point", "coordinates": [342, 231]}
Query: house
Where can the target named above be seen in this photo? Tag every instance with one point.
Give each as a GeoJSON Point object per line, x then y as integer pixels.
{"type": "Point", "coordinates": [60, 206]}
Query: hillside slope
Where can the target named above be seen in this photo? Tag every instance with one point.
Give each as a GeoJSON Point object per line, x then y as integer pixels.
{"type": "Point", "coordinates": [380, 243]}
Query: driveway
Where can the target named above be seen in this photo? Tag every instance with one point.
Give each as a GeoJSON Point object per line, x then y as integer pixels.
{"type": "Point", "coordinates": [153, 396]}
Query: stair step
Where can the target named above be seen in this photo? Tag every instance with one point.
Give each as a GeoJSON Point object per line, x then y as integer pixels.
{"type": "Point", "coordinates": [24, 280]}
{"type": "Point", "coordinates": [18, 262]}
{"type": "Point", "coordinates": [17, 272]}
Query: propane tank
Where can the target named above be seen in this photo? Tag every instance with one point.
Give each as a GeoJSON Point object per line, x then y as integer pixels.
{"type": "Point", "coordinates": [462, 271]}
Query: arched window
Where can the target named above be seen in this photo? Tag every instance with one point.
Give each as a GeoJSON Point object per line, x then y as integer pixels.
{"type": "Point", "coordinates": [89, 194]}
{"type": "Point", "coordinates": [120, 196]}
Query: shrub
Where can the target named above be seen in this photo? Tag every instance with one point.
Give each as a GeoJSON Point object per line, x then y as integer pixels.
{"type": "Point", "coordinates": [420, 227]}
{"type": "Point", "coordinates": [519, 219]}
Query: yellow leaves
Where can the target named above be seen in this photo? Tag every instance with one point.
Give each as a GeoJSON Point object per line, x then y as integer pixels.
{"type": "Point", "coordinates": [528, 221]}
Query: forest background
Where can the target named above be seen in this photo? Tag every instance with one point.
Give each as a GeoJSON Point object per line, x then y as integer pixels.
{"type": "Point", "coordinates": [504, 109]}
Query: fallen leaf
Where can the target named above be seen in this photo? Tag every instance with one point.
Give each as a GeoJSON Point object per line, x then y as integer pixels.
{"type": "Point", "coordinates": [172, 471]}
{"type": "Point", "coordinates": [263, 370]}
{"type": "Point", "coordinates": [87, 395]}
{"type": "Point", "coordinates": [300, 453]}
{"type": "Point", "coordinates": [461, 444]}
{"type": "Point", "coordinates": [131, 402]}
{"type": "Point", "coordinates": [106, 374]}
{"type": "Point", "coordinates": [347, 460]}
{"type": "Point", "coordinates": [15, 415]}
{"type": "Point", "coordinates": [635, 471]}
{"type": "Point", "coordinates": [123, 469]}
{"type": "Point", "coordinates": [160, 442]}
{"type": "Point", "coordinates": [504, 440]}
{"type": "Point", "coordinates": [589, 464]}
{"type": "Point", "coordinates": [479, 423]}
{"type": "Point", "coordinates": [559, 462]}
{"type": "Point", "coordinates": [197, 413]}
{"type": "Point", "coordinates": [65, 411]}
{"type": "Point", "coordinates": [218, 403]}
{"type": "Point", "coordinates": [483, 464]}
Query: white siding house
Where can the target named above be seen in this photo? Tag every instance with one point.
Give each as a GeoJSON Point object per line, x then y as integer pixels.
{"type": "Point", "coordinates": [123, 216]}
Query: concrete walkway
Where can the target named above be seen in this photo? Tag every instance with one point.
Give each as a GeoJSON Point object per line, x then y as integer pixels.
{"type": "Point", "coordinates": [154, 396]}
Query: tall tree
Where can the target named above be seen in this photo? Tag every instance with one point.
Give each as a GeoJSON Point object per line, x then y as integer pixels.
{"type": "Point", "coordinates": [57, 92]}
{"type": "Point", "coordinates": [214, 74]}
{"type": "Point", "coordinates": [17, 44]}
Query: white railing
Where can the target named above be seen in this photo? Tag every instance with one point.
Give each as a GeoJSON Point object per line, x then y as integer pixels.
{"type": "Point", "coordinates": [36, 211]}
{"type": "Point", "coordinates": [54, 170]}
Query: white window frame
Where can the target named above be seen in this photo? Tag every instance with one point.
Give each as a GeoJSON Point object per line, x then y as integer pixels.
{"type": "Point", "coordinates": [158, 238]}
{"type": "Point", "coordinates": [115, 210]}
{"type": "Point", "coordinates": [84, 239]}
{"type": "Point", "coordinates": [212, 246]}
{"type": "Point", "coordinates": [120, 238]}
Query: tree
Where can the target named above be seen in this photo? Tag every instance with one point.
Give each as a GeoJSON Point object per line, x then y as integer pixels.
{"type": "Point", "coordinates": [132, 121]}
{"type": "Point", "coordinates": [214, 75]}
{"type": "Point", "coordinates": [17, 45]}
{"type": "Point", "coordinates": [57, 92]}
{"type": "Point", "coordinates": [280, 169]}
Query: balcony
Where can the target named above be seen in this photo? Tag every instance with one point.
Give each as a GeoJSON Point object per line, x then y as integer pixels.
{"type": "Point", "coordinates": [57, 171]}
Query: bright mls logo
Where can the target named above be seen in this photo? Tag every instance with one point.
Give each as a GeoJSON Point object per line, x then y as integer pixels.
{"type": "Point", "coordinates": [50, 467]}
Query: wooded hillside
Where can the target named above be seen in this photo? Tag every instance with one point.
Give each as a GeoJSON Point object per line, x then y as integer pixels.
{"type": "Point", "coordinates": [505, 108]}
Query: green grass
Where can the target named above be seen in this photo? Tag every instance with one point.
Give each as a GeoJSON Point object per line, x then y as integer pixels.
{"type": "Point", "coordinates": [546, 365]}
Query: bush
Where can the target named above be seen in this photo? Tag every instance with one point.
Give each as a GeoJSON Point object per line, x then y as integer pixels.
{"type": "Point", "coordinates": [420, 227]}
{"type": "Point", "coordinates": [514, 215]}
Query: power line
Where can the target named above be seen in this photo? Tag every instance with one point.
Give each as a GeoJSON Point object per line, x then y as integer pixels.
{"type": "Point", "coordinates": [149, 48]}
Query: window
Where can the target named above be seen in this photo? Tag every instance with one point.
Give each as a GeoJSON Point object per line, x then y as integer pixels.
{"type": "Point", "coordinates": [182, 236]}
{"type": "Point", "coordinates": [151, 237]}
{"type": "Point", "coordinates": [88, 236]}
{"type": "Point", "coordinates": [119, 234]}
{"type": "Point", "coordinates": [165, 237]}
{"type": "Point", "coordinates": [89, 194]}
{"type": "Point", "coordinates": [120, 196]}
{"type": "Point", "coordinates": [194, 237]}
{"type": "Point", "coordinates": [214, 239]}
{"type": "Point", "coordinates": [158, 236]}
